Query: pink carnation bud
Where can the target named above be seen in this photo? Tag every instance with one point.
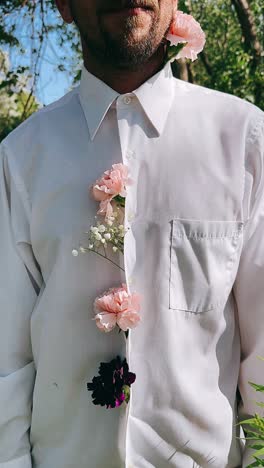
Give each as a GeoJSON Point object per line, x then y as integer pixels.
{"type": "Point", "coordinates": [184, 28]}
{"type": "Point", "coordinates": [112, 183]}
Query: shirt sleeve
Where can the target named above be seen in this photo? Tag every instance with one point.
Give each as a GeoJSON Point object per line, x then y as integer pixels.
{"type": "Point", "coordinates": [21, 462]}
{"type": "Point", "coordinates": [20, 282]}
{"type": "Point", "coordinates": [249, 284]}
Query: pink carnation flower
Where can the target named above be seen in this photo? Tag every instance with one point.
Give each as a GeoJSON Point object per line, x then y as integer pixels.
{"type": "Point", "coordinates": [117, 307]}
{"type": "Point", "coordinates": [112, 183]}
{"type": "Point", "coordinates": [184, 28]}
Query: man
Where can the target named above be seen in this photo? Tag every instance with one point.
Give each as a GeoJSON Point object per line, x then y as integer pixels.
{"type": "Point", "coordinates": [193, 250]}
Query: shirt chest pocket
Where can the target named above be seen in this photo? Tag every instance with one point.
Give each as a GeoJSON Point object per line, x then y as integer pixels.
{"type": "Point", "coordinates": [203, 259]}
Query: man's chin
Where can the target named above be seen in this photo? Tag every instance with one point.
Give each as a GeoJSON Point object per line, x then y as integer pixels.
{"type": "Point", "coordinates": [130, 64]}
{"type": "Point", "coordinates": [130, 57]}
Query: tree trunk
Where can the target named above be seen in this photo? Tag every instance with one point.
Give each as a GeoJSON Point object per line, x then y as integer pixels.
{"type": "Point", "coordinates": [248, 28]}
{"type": "Point", "coordinates": [180, 69]}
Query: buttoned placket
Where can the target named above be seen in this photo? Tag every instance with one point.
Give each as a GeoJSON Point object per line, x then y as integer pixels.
{"type": "Point", "coordinates": [124, 106]}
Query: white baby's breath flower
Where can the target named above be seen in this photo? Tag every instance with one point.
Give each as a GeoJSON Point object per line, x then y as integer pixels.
{"type": "Point", "coordinates": [108, 231]}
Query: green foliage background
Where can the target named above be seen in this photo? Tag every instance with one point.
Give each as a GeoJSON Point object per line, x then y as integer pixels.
{"type": "Point", "coordinates": [231, 67]}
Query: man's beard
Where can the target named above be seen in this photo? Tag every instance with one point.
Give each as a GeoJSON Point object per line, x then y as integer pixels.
{"type": "Point", "coordinates": [123, 52]}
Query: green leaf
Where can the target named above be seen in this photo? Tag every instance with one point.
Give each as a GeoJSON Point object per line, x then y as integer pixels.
{"type": "Point", "coordinates": [257, 446]}
{"type": "Point", "coordinates": [259, 452]}
{"type": "Point", "coordinates": [259, 461]}
{"type": "Point", "coordinates": [253, 465]}
{"type": "Point", "coordinates": [172, 51]}
{"type": "Point", "coordinates": [260, 357]}
{"type": "Point", "coordinates": [258, 388]}
{"type": "Point", "coordinates": [256, 422]}
{"type": "Point", "coordinates": [120, 200]}
{"type": "Point", "coordinates": [258, 403]}
{"type": "Point", "coordinates": [126, 390]}
{"type": "Point", "coordinates": [252, 435]}
{"type": "Point", "coordinates": [248, 421]}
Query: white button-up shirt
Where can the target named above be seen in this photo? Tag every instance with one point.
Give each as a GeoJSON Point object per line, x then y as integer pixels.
{"type": "Point", "coordinates": [194, 251]}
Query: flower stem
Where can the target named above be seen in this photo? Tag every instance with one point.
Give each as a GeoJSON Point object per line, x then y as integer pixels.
{"type": "Point", "coordinates": [125, 332]}
{"type": "Point", "coordinates": [173, 51]}
{"type": "Point", "coordinates": [120, 200]}
{"type": "Point", "coordinates": [104, 256]}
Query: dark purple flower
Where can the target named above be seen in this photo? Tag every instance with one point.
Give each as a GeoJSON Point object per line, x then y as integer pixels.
{"type": "Point", "coordinates": [112, 386]}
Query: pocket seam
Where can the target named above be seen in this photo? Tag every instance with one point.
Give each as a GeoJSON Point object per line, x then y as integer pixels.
{"type": "Point", "coordinates": [206, 236]}
{"type": "Point", "coordinates": [235, 234]}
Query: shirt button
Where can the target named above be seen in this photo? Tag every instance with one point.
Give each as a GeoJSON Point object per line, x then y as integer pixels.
{"type": "Point", "coordinates": [131, 216]}
{"type": "Point", "coordinates": [127, 100]}
{"type": "Point", "coordinates": [130, 280]}
{"type": "Point", "coordinates": [130, 154]}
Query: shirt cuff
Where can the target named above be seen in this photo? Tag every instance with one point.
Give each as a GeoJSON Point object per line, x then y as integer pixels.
{"type": "Point", "coordinates": [21, 462]}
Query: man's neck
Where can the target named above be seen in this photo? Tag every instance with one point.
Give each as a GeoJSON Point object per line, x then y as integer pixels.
{"type": "Point", "coordinates": [121, 80]}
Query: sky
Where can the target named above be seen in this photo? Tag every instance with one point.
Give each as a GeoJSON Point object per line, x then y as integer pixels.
{"type": "Point", "coordinates": [51, 84]}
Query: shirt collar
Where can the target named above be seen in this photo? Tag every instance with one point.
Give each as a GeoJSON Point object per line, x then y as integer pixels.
{"type": "Point", "coordinates": [155, 97]}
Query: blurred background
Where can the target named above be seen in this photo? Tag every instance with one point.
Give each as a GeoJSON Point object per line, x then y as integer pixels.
{"type": "Point", "coordinates": [40, 57]}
